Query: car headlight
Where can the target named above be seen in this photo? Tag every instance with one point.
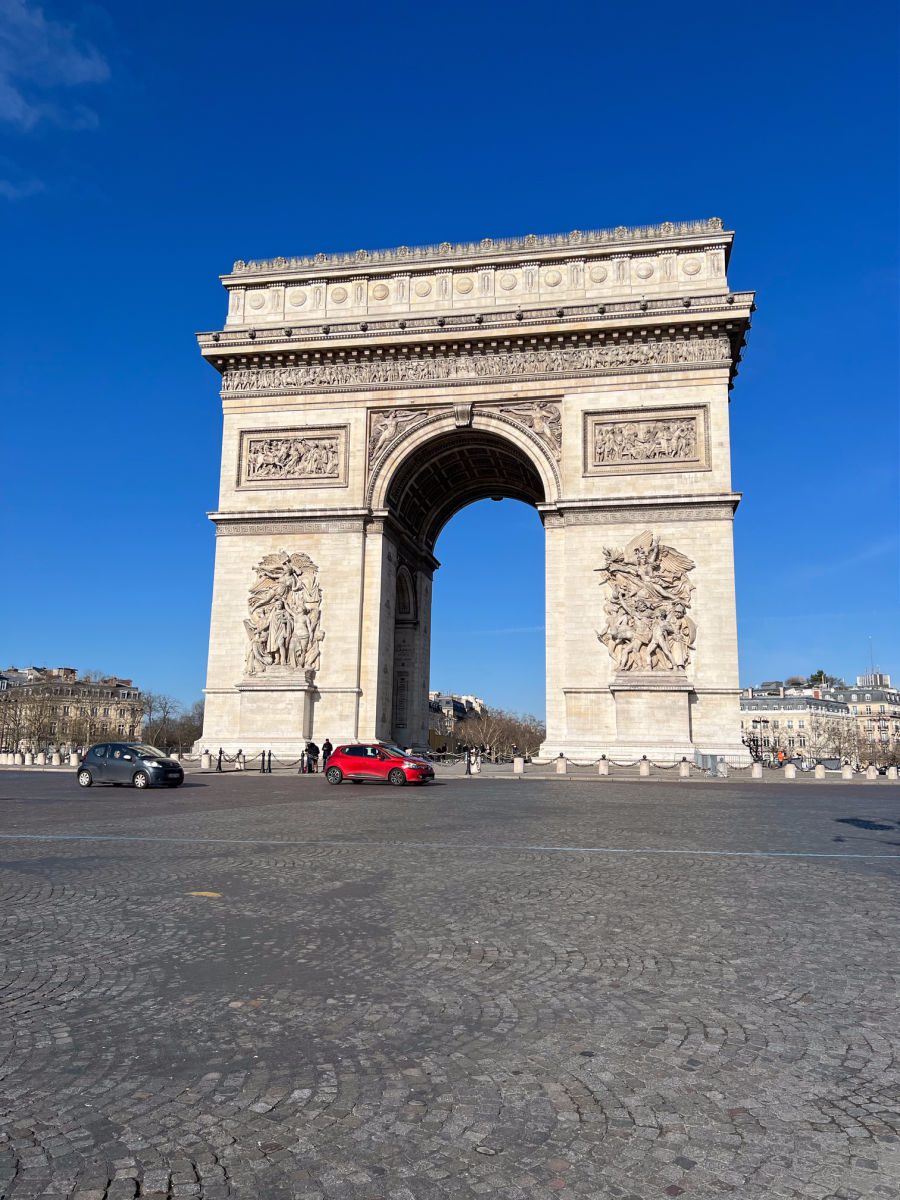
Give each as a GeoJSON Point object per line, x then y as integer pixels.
{"type": "Point", "coordinates": [151, 762]}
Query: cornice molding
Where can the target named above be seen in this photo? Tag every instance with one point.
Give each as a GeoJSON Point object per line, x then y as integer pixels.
{"type": "Point", "coordinates": [576, 240]}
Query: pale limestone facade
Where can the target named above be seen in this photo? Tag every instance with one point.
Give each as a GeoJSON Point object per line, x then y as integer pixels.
{"type": "Point", "coordinates": [368, 397]}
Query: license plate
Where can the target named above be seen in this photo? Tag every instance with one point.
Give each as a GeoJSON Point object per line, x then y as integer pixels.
{"type": "Point", "coordinates": [173, 774]}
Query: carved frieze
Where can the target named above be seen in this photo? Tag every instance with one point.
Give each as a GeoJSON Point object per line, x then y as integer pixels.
{"type": "Point", "coordinates": [648, 627]}
{"type": "Point", "coordinates": [284, 628]}
{"type": "Point", "coordinates": [542, 418]}
{"type": "Point", "coordinates": [482, 362]}
{"type": "Point", "coordinates": [626, 441]}
{"type": "Point", "coordinates": [285, 458]}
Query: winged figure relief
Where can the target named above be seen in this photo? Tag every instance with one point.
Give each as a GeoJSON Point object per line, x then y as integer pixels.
{"type": "Point", "coordinates": [648, 626]}
{"type": "Point", "coordinates": [285, 612]}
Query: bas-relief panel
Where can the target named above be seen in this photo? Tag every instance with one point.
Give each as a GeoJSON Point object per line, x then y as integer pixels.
{"type": "Point", "coordinates": [289, 458]}
{"type": "Point", "coordinates": [640, 441]}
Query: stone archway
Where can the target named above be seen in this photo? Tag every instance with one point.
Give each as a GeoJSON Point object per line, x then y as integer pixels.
{"type": "Point", "coordinates": [422, 488]}
{"type": "Point", "coordinates": [369, 397]}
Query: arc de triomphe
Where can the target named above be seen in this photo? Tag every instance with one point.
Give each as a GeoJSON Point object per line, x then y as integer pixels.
{"type": "Point", "coordinates": [369, 396]}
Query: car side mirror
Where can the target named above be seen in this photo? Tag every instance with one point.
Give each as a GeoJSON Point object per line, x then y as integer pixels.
{"type": "Point", "coordinates": [127, 757]}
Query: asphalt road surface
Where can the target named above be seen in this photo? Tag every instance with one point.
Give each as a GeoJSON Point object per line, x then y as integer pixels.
{"type": "Point", "coordinates": [265, 987]}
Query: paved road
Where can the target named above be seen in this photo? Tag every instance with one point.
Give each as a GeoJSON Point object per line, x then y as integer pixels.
{"type": "Point", "coordinates": [480, 989]}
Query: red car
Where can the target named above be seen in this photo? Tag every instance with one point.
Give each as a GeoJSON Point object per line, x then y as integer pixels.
{"type": "Point", "coordinates": [377, 762]}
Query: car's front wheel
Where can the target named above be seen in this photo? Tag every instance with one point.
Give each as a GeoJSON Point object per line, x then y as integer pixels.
{"type": "Point", "coordinates": [397, 778]}
{"type": "Point", "coordinates": [85, 779]}
{"type": "Point", "coordinates": [141, 779]}
{"type": "Point", "coordinates": [334, 775]}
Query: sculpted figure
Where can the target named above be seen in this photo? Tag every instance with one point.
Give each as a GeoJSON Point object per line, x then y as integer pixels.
{"type": "Point", "coordinates": [387, 425]}
{"type": "Point", "coordinates": [542, 418]}
{"type": "Point", "coordinates": [648, 627]}
{"type": "Point", "coordinates": [284, 626]}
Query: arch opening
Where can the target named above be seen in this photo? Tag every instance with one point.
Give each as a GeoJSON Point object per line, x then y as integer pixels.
{"type": "Point", "coordinates": [454, 470]}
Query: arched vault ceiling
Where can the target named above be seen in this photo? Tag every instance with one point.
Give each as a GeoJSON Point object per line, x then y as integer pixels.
{"type": "Point", "coordinates": [446, 474]}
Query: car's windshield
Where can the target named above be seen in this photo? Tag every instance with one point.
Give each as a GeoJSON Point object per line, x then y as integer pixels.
{"type": "Point", "coordinates": [395, 750]}
{"type": "Point", "coordinates": [147, 752]}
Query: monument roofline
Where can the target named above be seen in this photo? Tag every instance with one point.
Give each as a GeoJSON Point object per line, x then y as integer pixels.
{"type": "Point", "coordinates": [361, 262]}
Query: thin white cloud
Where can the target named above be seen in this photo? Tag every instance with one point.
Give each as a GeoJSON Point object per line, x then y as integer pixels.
{"type": "Point", "coordinates": [848, 562]}
{"type": "Point", "coordinates": [39, 59]}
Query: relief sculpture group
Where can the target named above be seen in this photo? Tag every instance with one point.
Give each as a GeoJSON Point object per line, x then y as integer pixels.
{"type": "Point", "coordinates": [645, 441]}
{"type": "Point", "coordinates": [292, 458]}
{"type": "Point", "coordinates": [648, 627]}
{"type": "Point", "coordinates": [284, 626]}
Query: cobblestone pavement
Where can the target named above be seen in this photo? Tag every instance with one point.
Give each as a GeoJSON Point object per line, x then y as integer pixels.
{"type": "Point", "coordinates": [265, 987]}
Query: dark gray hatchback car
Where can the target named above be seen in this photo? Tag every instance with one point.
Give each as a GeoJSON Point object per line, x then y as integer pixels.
{"type": "Point", "coordinates": [123, 763]}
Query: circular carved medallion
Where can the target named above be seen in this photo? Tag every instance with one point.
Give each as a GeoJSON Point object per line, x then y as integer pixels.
{"type": "Point", "coordinates": [553, 278]}
{"type": "Point", "coordinates": [339, 295]}
{"type": "Point", "coordinates": [423, 288]}
{"type": "Point", "coordinates": [508, 282]}
{"type": "Point", "coordinates": [464, 285]}
{"type": "Point", "coordinates": [256, 300]}
{"type": "Point", "coordinates": [644, 270]}
{"type": "Point", "coordinates": [692, 266]}
{"type": "Point", "coordinates": [380, 291]}
{"type": "Point", "coordinates": [598, 274]}
{"type": "Point", "coordinates": [296, 297]}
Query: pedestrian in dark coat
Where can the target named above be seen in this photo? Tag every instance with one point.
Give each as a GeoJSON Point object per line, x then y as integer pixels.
{"type": "Point", "coordinates": [326, 752]}
{"type": "Point", "coordinates": [312, 757]}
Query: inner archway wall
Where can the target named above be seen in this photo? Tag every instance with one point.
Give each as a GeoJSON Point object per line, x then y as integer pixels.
{"type": "Point", "coordinates": [600, 361]}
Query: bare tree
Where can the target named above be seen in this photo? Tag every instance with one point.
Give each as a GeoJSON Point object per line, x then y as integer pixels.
{"type": "Point", "coordinates": [160, 714]}
{"type": "Point", "coordinates": [498, 731]}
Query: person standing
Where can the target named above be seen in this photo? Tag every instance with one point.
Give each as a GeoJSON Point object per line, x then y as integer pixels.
{"type": "Point", "coordinates": [326, 752]}
{"type": "Point", "coordinates": [312, 757]}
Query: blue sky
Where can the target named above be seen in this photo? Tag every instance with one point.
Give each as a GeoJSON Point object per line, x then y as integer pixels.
{"type": "Point", "coordinates": [145, 147]}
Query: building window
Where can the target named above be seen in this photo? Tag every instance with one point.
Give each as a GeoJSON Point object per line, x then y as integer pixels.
{"type": "Point", "coordinates": [121, 731]}
{"type": "Point", "coordinates": [66, 709]}
{"type": "Point", "coordinates": [868, 710]}
{"type": "Point", "coordinates": [855, 710]}
{"type": "Point", "coordinates": [801, 724]}
{"type": "Point", "coordinates": [790, 724]}
{"type": "Point", "coordinates": [802, 742]}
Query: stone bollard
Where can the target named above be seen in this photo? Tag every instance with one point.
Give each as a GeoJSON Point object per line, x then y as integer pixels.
{"type": "Point", "coordinates": [562, 766]}
{"type": "Point", "coordinates": [892, 772]}
{"type": "Point", "coordinates": [644, 769]}
{"type": "Point", "coordinates": [74, 759]}
{"type": "Point", "coordinates": [27, 759]}
{"type": "Point", "coordinates": [721, 769]}
{"type": "Point", "coordinates": [871, 772]}
{"type": "Point", "coordinates": [19, 758]}
{"type": "Point", "coordinates": [175, 757]}
{"type": "Point", "coordinates": [56, 760]}
{"type": "Point", "coordinates": [819, 771]}
{"type": "Point", "coordinates": [40, 759]}
{"type": "Point", "coordinates": [205, 761]}
{"type": "Point", "coordinates": [518, 765]}
{"type": "Point", "coordinates": [756, 771]}
{"type": "Point", "coordinates": [790, 771]}
{"type": "Point", "coordinates": [684, 769]}
{"type": "Point", "coordinates": [603, 768]}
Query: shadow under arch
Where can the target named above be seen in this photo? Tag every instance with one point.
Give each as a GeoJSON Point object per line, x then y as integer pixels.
{"type": "Point", "coordinates": [437, 469]}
